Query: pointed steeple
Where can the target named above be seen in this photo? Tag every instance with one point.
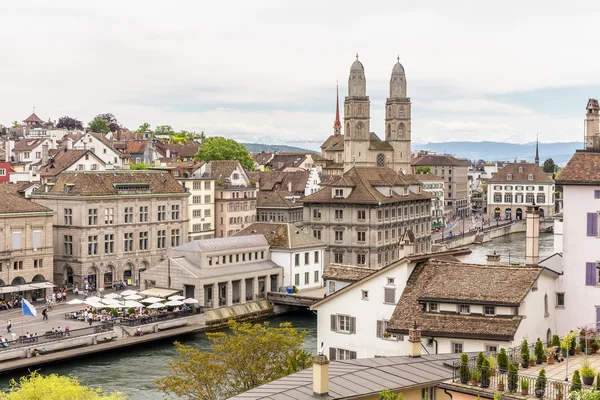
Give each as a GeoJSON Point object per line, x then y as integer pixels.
{"type": "Point", "coordinates": [337, 126]}
{"type": "Point", "coordinates": [537, 152]}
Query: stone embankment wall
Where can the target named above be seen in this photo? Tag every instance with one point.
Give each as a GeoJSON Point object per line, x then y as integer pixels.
{"type": "Point", "coordinates": [479, 238]}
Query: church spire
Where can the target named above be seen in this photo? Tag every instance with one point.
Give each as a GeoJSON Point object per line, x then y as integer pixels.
{"type": "Point", "coordinates": [337, 126]}
{"type": "Point", "coordinates": [537, 153]}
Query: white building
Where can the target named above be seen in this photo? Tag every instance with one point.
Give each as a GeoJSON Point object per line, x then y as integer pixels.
{"type": "Point", "coordinates": [300, 254]}
{"type": "Point", "coordinates": [201, 203]}
{"type": "Point", "coordinates": [434, 185]}
{"type": "Point", "coordinates": [101, 146]}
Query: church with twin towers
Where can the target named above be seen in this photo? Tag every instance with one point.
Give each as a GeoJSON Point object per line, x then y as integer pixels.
{"type": "Point", "coordinates": [358, 146]}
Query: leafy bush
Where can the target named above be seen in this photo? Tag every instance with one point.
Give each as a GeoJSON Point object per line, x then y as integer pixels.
{"type": "Point", "coordinates": [540, 382]}
{"type": "Point", "coordinates": [539, 349]}
{"type": "Point", "coordinates": [502, 359]}
{"type": "Point", "coordinates": [524, 351]}
{"type": "Point", "coordinates": [463, 370]}
{"type": "Point", "coordinates": [576, 382]}
{"type": "Point", "coordinates": [513, 378]}
{"type": "Point", "coordinates": [555, 340]}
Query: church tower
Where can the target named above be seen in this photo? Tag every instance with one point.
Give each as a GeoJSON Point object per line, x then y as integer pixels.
{"type": "Point", "coordinates": [397, 120]}
{"type": "Point", "coordinates": [357, 115]}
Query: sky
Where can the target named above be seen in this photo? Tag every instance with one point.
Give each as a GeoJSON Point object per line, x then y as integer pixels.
{"type": "Point", "coordinates": [266, 71]}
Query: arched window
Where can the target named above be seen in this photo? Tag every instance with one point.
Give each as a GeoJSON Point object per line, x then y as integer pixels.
{"type": "Point", "coordinates": [360, 110]}
{"type": "Point", "coordinates": [347, 128]}
{"type": "Point", "coordinates": [380, 160]}
{"type": "Point", "coordinates": [359, 128]}
{"type": "Point", "coordinates": [401, 131]}
{"type": "Point", "coordinates": [546, 305]}
{"type": "Point", "coordinates": [549, 336]}
{"type": "Point", "coordinates": [389, 131]}
{"type": "Point", "coordinates": [400, 112]}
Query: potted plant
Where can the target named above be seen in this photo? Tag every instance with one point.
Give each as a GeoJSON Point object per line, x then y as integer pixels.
{"type": "Point", "coordinates": [572, 343]}
{"type": "Point", "coordinates": [595, 346]}
{"type": "Point", "coordinates": [598, 383]}
{"type": "Point", "coordinates": [501, 384]}
{"type": "Point", "coordinates": [555, 341]}
{"type": "Point", "coordinates": [532, 359]}
{"type": "Point", "coordinates": [550, 352]}
{"type": "Point", "coordinates": [502, 361]}
{"type": "Point", "coordinates": [524, 386]}
{"type": "Point", "coordinates": [513, 378]}
{"type": "Point", "coordinates": [463, 369]}
{"type": "Point", "coordinates": [587, 372]}
{"type": "Point", "coordinates": [475, 377]}
{"type": "Point", "coordinates": [480, 358]}
{"type": "Point", "coordinates": [524, 354]}
{"type": "Point", "coordinates": [493, 364]}
{"type": "Point", "coordinates": [577, 349]}
{"type": "Point", "coordinates": [558, 390]}
{"type": "Point", "coordinates": [539, 351]}
{"type": "Point", "coordinates": [485, 374]}
{"type": "Point", "coordinates": [576, 382]}
{"type": "Point", "coordinates": [540, 384]}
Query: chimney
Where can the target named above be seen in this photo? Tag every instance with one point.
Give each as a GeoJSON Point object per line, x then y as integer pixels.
{"type": "Point", "coordinates": [289, 186]}
{"type": "Point", "coordinates": [7, 150]}
{"type": "Point", "coordinates": [45, 153]}
{"type": "Point", "coordinates": [69, 143]}
{"type": "Point", "coordinates": [414, 341]}
{"type": "Point", "coordinates": [320, 376]}
{"type": "Point", "coordinates": [493, 259]}
{"type": "Point", "coordinates": [532, 236]}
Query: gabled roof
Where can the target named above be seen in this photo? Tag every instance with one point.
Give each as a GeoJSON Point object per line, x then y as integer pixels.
{"type": "Point", "coordinates": [33, 118]}
{"type": "Point", "coordinates": [282, 180]}
{"type": "Point", "coordinates": [183, 150]}
{"type": "Point", "coordinates": [137, 146]}
{"type": "Point", "coordinates": [333, 143]}
{"type": "Point", "coordinates": [582, 169]}
{"type": "Point", "coordinates": [282, 161]}
{"type": "Point", "coordinates": [228, 243]}
{"type": "Point", "coordinates": [12, 203]}
{"type": "Point", "coordinates": [222, 169]}
{"type": "Point", "coordinates": [377, 144]}
{"type": "Point", "coordinates": [514, 169]}
{"type": "Point", "coordinates": [281, 236]}
{"type": "Point", "coordinates": [275, 200]}
{"type": "Point", "coordinates": [28, 144]}
{"type": "Point", "coordinates": [262, 158]}
{"type": "Point", "coordinates": [554, 263]}
{"type": "Point", "coordinates": [346, 273]}
{"type": "Point", "coordinates": [64, 159]}
{"type": "Point", "coordinates": [438, 161]}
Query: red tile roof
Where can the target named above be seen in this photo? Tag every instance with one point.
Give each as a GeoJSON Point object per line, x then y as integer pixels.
{"type": "Point", "coordinates": [519, 173]}
{"type": "Point", "coordinates": [33, 118]}
{"type": "Point", "coordinates": [438, 160]}
{"type": "Point", "coordinates": [582, 169]}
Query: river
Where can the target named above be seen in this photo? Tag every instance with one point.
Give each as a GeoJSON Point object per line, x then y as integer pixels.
{"type": "Point", "coordinates": [133, 371]}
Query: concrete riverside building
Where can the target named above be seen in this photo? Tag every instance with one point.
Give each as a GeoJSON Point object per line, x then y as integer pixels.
{"type": "Point", "coordinates": [26, 239]}
{"type": "Point", "coordinates": [218, 272]}
{"type": "Point", "coordinates": [363, 215]}
{"type": "Point", "coordinates": [110, 225]}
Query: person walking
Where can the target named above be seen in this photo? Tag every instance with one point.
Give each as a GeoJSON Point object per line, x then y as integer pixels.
{"type": "Point", "coordinates": [8, 326]}
{"type": "Point", "coordinates": [45, 314]}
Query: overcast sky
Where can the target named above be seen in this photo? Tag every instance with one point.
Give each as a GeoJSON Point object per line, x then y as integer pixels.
{"type": "Point", "coordinates": [266, 71]}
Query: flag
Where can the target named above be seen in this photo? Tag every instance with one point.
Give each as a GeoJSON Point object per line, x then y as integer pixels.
{"type": "Point", "coordinates": [27, 308]}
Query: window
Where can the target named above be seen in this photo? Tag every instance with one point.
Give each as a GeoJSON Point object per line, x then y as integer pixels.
{"type": "Point", "coordinates": [317, 213]}
{"type": "Point", "coordinates": [92, 245]}
{"type": "Point", "coordinates": [339, 236]}
{"type": "Point", "coordinates": [530, 177]}
{"type": "Point", "coordinates": [339, 193]}
{"type": "Point", "coordinates": [161, 239]}
{"type": "Point", "coordinates": [592, 224]}
{"type": "Point", "coordinates": [339, 214]}
{"type": "Point", "coordinates": [144, 214]}
{"type": "Point", "coordinates": [17, 265]}
{"type": "Point", "coordinates": [16, 240]}
{"type": "Point", "coordinates": [541, 198]}
{"type": "Point", "coordinates": [382, 334]}
{"type": "Point", "coordinates": [331, 286]}
{"type": "Point", "coordinates": [491, 348]}
{"type": "Point", "coordinates": [338, 258]}
{"type": "Point", "coordinates": [207, 213]}
{"type": "Point", "coordinates": [297, 279]}
{"type": "Point", "coordinates": [497, 197]}
{"type": "Point", "coordinates": [175, 212]}
{"type": "Point", "coordinates": [541, 188]}
{"type": "Point", "coordinates": [162, 213]}
{"type": "Point", "coordinates": [2, 172]}
{"type": "Point", "coordinates": [109, 214]}
{"type": "Point", "coordinates": [389, 295]}
{"type": "Point", "coordinates": [560, 300]}
{"type": "Point", "coordinates": [361, 214]}
{"type": "Point", "coordinates": [361, 236]}
{"type": "Point", "coordinates": [489, 310]}
{"type": "Point", "coordinates": [546, 313]}
{"type": "Point", "coordinates": [207, 185]}
{"type": "Point", "coordinates": [68, 216]}
{"type": "Point", "coordinates": [306, 278]}
{"type": "Point", "coordinates": [68, 245]}
{"type": "Point", "coordinates": [434, 307]}
{"type": "Point", "coordinates": [39, 263]}
{"type": "Point", "coordinates": [207, 199]}
{"type": "Point", "coordinates": [128, 215]}
{"type": "Point", "coordinates": [597, 194]}
{"type": "Point", "coordinates": [174, 237]}
{"type": "Point", "coordinates": [508, 198]}
{"type": "Point", "coordinates": [343, 323]}
{"type": "Point", "coordinates": [316, 276]}
{"type": "Point", "coordinates": [93, 216]}
{"type": "Point", "coordinates": [464, 309]}
{"type": "Point", "coordinates": [390, 281]}
{"type": "Point", "coordinates": [196, 213]}
{"type": "Point", "coordinates": [128, 241]}
{"type": "Point", "coordinates": [341, 354]}
{"type": "Point", "coordinates": [365, 295]}
{"type": "Point", "coordinates": [509, 177]}
{"type": "Point", "coordinates": [457, 347]}
{"type": "Point", "coordinates": [519, 198]}
{"type": "Point", "coordinates": [143, 240]}
{"type": "Point", "coordinates": [361, 259]}
{"type": "Point", "coordinates": [316, 258]}
{"type": "Point", "coordinates": [296, 260]}
{"type": "Point", "coordinates": [317, 234]}
{"type": "Point", "coordinates": [109, 243]}
{"type": "Point", "coordinates": [37, 239]}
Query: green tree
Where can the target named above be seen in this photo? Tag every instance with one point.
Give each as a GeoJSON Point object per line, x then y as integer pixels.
{"type": "Point", "coordinates": [549, 166]}
{"type": "Point", "coordinates": [36, 386]}
{"type": "Point", "coordinates": [387, 394]}
{"type": "Point", "coordinates": [219, 148]}
{"type": "Point", "coordinates": [164, 130]}
{"type": "Point", "coordinates": [250, 356]}
{"type": "Point", "coordinates": [99, 125]}
{"type": "Point", "coordinates": [15, 124]}
{"type": "Point", "coordinates": [139, 166]}
{"type": "Point", "coordinates": [423, 170]}
{"type": "Point", "coordinates": [143, 128]}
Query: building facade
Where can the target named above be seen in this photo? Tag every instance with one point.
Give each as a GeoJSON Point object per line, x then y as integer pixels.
{"type": "Point", "coordinates": [201, 203]}
{"type": "Point", "coordinates": [434, 185]}
{"type": "Point", "coordinates": [111, 225]}
{"type": "Point", "coordinates": [278, 207]}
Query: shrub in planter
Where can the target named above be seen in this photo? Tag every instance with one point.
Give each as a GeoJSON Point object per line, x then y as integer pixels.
{"type": "Point", "coordinates": [485, 374]}
{"type": "Point", "coordinates": [463, 369]}
{"type": "Point", "coordinates": [524, 386]}
{"type": "Point", "coordinates": [595, 346]}
{"type": "Point", "coordinates": [524, 354]}
{"type": "Point", "coordinates": [550, 352]}
{"type": "Point", "coordinates": [540, 384]}
{"type": "Point", "coordinates": [576, 382]}
{"type": "Point", "coordinates": [501, 384]}
{"type": "Point", "coordinates": [559, 389]}
{"type": "Point", "coordinates": [493, 364]}
{"type": "Point", "coordinates": [587, 372]}
{"type": "Point", "coordinates": [513, 378]}
{"type": "Point", "coordinates": [555, 341]}
{"type": "Point", "coordinates": [480, 358]}
{"type": "Point", "coordinates": [573, 341]}
{"type": "Point", "coordinates": [539, 351]}
{"type": "Point", "coordinates": [475, 375]}
{"type": "Point", "coordinates": [503, 361]}
{"type": "Point", "coordinates": [532, 359]}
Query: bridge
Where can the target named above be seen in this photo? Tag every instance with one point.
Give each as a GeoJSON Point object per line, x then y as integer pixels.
{"type": "Point", "coordinates": [289, 299]}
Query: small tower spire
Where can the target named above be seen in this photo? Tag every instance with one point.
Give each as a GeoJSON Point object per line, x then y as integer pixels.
{"type": "Point", "coordinates": [337, 126]}
{"type": "Point", "coordinates": [356, 56]}
{"type": "Point", "coordinates": [537, 153]}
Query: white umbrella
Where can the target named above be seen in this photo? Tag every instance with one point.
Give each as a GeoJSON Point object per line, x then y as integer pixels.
{"type": "Point", "coordinates": [174, 303]}
{"type": "Point", "coordinates": [112, 296]}
{"type": "Point", "coordinates": [75, 301]}
{"type": "Point", "coordinates": [128, 293]}
{"type": "Point", "coordinates": [177, 297]}
{"type": "Point", "coordinates": [134, 297]}
{"type": "Point", "coordinates": [110, 302]}
{"type": "Point", "coordinates": [99, 305]}
{"type": "Point", "coordinates": [156, 305]}
{"type": "Point", "coordinates": [190, 301]}
{"type": "Point", "coordinates": [92, 301]}
{"type": "Point", "coordinates": [132, 304]}
{"type": "Point", "coordinates": [151, 300]}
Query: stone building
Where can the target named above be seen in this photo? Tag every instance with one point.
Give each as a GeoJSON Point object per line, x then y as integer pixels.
{"type": "Point", "coordinates": [364, 215]}
{"type": "Point", "coordinates": [25, 238]}
{"type": "Point", "coordinates": [278, 207]}
{"type": "Point", "coordinates": [434, 185]}
{"type": "Point", "coordinates": [454, 172]}
{"type": "Point", "coordinates": [358, 146]}
{"type": "Point", "coordinates": [110, 225]}
{"type": "Point", "coordinates": [199, 183]}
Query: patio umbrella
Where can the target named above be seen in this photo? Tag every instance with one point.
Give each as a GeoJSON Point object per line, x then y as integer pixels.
{"type": "Point", "coordinates": [92, 301]}
{"type": "Point", "coordinates": [110, 301]}
{"type": "Point", "coordinates": [75, 301]}
{"type": "Point", "coordinates": [190, 301]}
{"type": "Point", "coordinates": [177, 297]}
{"type": "Point", "coordinates": [134, 297]}
{"type": "Point", "coordinates": [111, 296]}
{"type": "Point", "coordinates": [156, 305]}
{"type": "Point", "coordinates": [174, 303]}
{"type": "Point", "coordinates": [128, 293]}
{"type": "Point", "coordinates": [151, 300]}
{"type": "Point", "coordinates": [132, 304]}
{"type": "Point", "coordinates": [99, 305]}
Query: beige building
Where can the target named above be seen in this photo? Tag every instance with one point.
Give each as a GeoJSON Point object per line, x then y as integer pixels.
{"type": "Point", "coordinates": [201, 203]}
{"type": "Point", "coordinates": [235, 197]}
{"type": "Point", "coordinates": [110, 225]}
{"type": "Point", "coordinates": [366, 215]}
{"type": "Point", "coordinates": [434, 185]}
{"type": "Point", "coordinates": [278, 206]}
{"type": "Point", "coordinates": [25, 238]}
{"type": "Point", "coordinates": [454, 172]}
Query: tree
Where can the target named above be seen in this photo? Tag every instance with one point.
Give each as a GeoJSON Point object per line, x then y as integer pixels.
{"type": "Point", "coordinates": [143, 128]}
{"type": "Point", "coordinates": [387, 394]}
{"type": "Point", "coordinates": [69, 123]}
{"type": "Point", "coordinates": [139, 166]}
{"type": "Point", "coordinates": [15, 124]}
{"type": "Point", "coordinates": [219, 148]}
{"type": "Point", "coordinates": [423, 170]}
{"type": "Point", "coordinates": [36, 386]}
{"type": "Point", "coordinates": [549, 166]}
{"type": "Point", "coordinates": [164, 130]}
{"type": "Point", "coordinates": [113, 124]}
{"type": "Point", "coordinates": [250, 356]}
{"type": "Point", "coordinates": [99, 125]}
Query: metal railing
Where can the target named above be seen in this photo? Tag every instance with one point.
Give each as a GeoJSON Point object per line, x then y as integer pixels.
{"type": "Point", "coordinates": [47, 337]}
{"type": "Point", "coordinates": [159, 317]}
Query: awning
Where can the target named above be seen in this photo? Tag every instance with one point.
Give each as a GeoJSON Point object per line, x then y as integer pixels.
{"type": "Point", "coordinates": [24, 288]}
{"type": "Point", "coordinates": [9, 289]}
{"type": "Point", "coordinates": [159, 292]}
{"type": "Point", "coordinates": [42, 285]}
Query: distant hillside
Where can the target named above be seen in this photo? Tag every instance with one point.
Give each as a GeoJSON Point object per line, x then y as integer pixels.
{"type": "Point", "coordinates": [258, 147]}
{"type": "Point", "coordinates": [499, 151]}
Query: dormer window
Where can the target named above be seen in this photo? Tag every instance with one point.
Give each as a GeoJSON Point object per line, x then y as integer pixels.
{"type": "Point", "coordinates": [236, 176]}
{"type": "Point", "coordinates": [464, 309]}
{"type": "Point", "coordinates": [434, 307]}
{"type": "Point", "coordinates": [509, 177]}
{"type": "Point", "coordinates": [530, 177]}
{"type": "Point", "coordinates": [521, 170]}
{"type": "Point", "coordinates": [339, 192]}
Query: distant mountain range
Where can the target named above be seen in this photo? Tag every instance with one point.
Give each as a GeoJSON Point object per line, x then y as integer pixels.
{"type": "Point", "coordinates": [258, 147]}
